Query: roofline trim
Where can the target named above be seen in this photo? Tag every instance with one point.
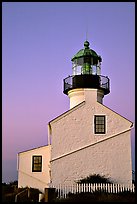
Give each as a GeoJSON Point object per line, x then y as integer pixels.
{"type": "Point", "coordinates": [132, 124]}
{"type": "Point", "coordinates": [67, 112]}
{"type": "Point", "coordinates": [34, 148]}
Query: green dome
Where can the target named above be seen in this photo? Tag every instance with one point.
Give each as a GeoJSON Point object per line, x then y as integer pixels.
{"type": "Point", "coordinates": [85, 52]}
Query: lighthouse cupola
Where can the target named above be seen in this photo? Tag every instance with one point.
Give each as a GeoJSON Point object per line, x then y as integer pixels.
{"type": "Point", "coordinates": [86, 74]}
{"type": "Point", "coordinates": [86, 61]}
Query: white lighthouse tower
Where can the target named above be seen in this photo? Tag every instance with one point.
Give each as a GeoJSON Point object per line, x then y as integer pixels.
{"type": "Point", "coordinates": [86, 74]}
{"type": "Point", "coordinates": [89, 138]}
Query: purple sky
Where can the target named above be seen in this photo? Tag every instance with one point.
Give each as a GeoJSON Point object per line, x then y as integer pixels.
{"type": "Point", "coordinates": [38, 41]}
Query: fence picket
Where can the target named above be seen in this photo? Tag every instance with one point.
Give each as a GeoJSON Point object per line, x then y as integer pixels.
{"type": "Point", "coordinates": [106, 187]}
{"type": "Point", "coordinates": [76, 188]}
{"type": "Point", "coordinates": [113, 188]}
{"type": "Point", "coordinates": [101, 187]}
{"type": "Point", "coordinates": [82, 187]}
{"type": "Point", "coordinates": [65, 190]}
{"type": "Point", "coordinates": [88, 188]}
{"type": "Point", "coordinates": [79, 188]}
{"type": "Point", "coordinates": [96, 186]}
{"type": "Point", "coordinates": [133, 188]}
{"type": "Point", "coordinates": [60, 191]}
{"type": "Point", "coordinates": [123, 188]}
{"type": "Point", "coordinates": [72, 189]}
{"type": "Point", "coordinates": [116, 188]}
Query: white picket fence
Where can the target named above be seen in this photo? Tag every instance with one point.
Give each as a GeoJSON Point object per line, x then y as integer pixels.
{"type": "Point", "coordinates": [64, 190]}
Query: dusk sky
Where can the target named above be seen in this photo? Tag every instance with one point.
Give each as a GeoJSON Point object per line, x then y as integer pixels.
{"type": "Point", "coordinates": [38, 41]}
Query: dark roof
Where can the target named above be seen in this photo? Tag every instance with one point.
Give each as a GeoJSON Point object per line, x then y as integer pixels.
{"type": "Point", "coordinates": [86, 51]}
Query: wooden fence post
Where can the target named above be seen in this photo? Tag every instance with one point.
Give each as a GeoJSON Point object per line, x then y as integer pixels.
{"type": "Point", "coordinates": [46, 195]}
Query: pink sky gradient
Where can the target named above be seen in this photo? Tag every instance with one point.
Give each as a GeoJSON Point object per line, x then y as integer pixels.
{"type": "Point", "coordinates": [38, 41]}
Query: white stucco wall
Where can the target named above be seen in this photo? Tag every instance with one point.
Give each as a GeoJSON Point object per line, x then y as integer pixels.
{"type": "Point", "coordinates": [110, 157]}
{"type": "Point", "coordinates": [75, 129]}
{"type": "Point", "coordinates": [28, 178]}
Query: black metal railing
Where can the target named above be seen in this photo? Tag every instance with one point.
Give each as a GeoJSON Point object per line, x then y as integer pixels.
{"type": "Point", "coordinates": [87, 81]}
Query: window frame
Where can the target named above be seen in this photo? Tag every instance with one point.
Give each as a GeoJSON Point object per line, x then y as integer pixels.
{"type": "Point", "coordinates": [101, 124]}
{"type": "Point", "coordinates": [36, 166]}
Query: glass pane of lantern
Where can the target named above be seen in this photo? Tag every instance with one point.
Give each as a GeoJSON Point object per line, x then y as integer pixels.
{"type": "Point", "coordinates": [93, 69]}
{"type": "Point", "coordinates": [74, 68]}
{"type": "Point", "coordinates": [98, 70]}
{"type": "Point", "coordinates": [80, 61]}
{"type": "Point", "coordinates": [78, 70]}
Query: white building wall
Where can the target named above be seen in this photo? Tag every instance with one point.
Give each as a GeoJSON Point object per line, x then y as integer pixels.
{"type": "Point", "coordinates": [28, 178]}
{"type": "Point", "coordinates": [75, 129]}
{"type": "Point", "coordinates": [110, 158]}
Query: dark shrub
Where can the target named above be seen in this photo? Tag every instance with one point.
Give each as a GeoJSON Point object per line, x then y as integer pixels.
{"type": "Point", "coordinates": [95, 178]}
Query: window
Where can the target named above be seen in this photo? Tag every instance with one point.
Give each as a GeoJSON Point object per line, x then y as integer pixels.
{"type": "Point", "coordinates": [36, 163]}
{"type": "Point", "coordinates": [99, 124]}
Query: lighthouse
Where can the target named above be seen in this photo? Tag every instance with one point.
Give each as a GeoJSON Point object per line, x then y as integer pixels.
{"type": "Point", "coordinates": [86, 74]}
{"type": "Point", "coordinates": [89, 138]}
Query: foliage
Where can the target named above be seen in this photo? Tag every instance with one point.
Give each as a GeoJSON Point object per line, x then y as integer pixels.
{"type": "Point", "coordinates": [7, 188]}
{"type": "Point", "coordinates": [13, 183]}
{"type": "Point", "coordinates": [33, 195]}
{"type": "Point", "coordinates": [95, 178]}
{"type": "Point", "coordinates": [99, 197]}
{"type": "Point", "coordinates": [9, 191]}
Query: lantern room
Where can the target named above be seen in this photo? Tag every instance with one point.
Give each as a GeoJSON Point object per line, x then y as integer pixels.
{"type": "Point", "coordinates": [86, 61]}
{"type": "Point", "coordinates": [86, 71]}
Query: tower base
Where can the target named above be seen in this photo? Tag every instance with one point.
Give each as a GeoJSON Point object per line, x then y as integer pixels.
{"type": "Point", "coordinates": [78, 95]}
